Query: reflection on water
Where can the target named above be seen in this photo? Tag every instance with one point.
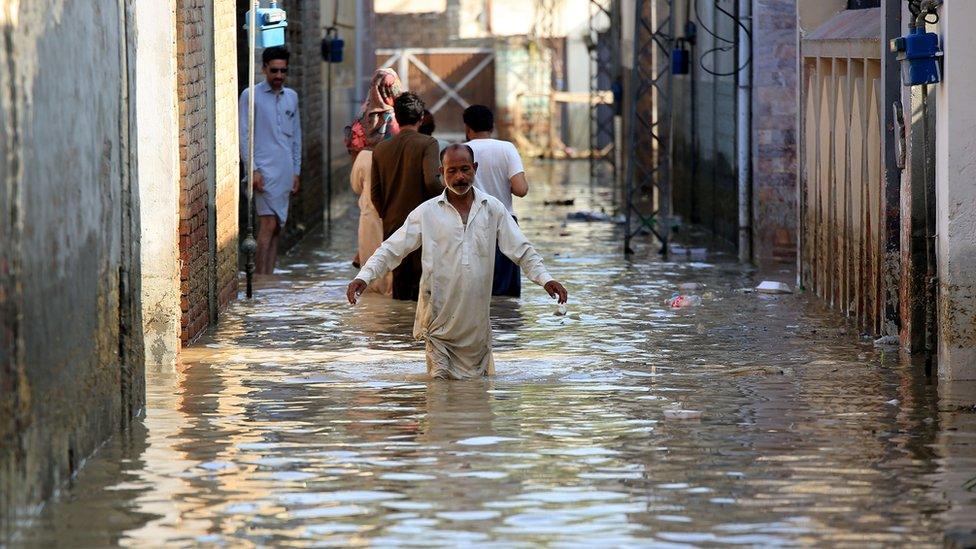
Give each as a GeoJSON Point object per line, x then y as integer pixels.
{"type": "Point", "coordinates": [303, 421]}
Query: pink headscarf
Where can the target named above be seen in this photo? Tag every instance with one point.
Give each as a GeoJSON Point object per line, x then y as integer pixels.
{"type": "Point", "coordinates": [376, 121]}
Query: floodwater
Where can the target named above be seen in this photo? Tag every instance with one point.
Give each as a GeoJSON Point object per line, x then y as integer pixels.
{"type": "Point", "coordinates": [303, 421]}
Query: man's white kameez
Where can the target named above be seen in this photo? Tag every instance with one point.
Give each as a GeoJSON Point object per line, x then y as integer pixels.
{"type": "Point", "coordinates": [455, 289]}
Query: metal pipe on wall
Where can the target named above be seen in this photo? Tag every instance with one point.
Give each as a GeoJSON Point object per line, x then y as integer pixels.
{"type": "Point", "coordinates": [743, 142]}
{"type": "Point", "coordinates": [250, 246]}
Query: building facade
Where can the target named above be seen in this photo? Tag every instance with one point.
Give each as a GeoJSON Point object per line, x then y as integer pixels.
{"type": "Point", "coordinates": [119, 200]}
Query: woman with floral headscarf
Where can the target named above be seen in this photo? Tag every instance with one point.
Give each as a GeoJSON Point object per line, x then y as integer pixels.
{"type": "Point", "coordinates": [376, 123]}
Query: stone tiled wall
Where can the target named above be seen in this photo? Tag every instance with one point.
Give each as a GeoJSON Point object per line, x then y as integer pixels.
{"type": "Point", "coordinates": [774, 132]}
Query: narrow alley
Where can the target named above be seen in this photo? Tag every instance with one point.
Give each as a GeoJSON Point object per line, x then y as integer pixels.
{"type": "Point", "coordinates": [303, 421]}
{"type": "Point", "coordinates": [763, 213]}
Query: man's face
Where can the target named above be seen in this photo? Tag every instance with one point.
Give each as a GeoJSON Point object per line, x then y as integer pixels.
{"type": "Point", "coordinates": [275, 71]}
{"type": "Point", "coordinates": [458, 171]}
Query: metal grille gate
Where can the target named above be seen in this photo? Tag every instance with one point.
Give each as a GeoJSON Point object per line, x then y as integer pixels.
{"type": "Point", "coordinates": [648, 187]}
{"type": "Point", "coordinates": [604, 49]}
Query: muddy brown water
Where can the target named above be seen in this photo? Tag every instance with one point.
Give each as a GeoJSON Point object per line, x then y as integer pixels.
{"type": "Point", "coordinates": [302, 421]}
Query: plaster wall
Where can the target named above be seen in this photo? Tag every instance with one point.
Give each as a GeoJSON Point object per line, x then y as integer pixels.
{"type": "Point", "coordinates": [956, 194]}
{"type": "Point", "coordinates": [159, 173]}
{"type": "Point", "coordinates": [68, 381]}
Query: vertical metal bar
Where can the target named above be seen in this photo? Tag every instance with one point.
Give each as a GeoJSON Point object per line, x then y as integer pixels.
{"type": "Point", "coordinates": [249, 243]}
{"type": "Point", "coordinates": [213, 287]}
{"type": "Point", "coordinates": [743, 46]}
{"type": "Point", "coordinates": [328, 149]}
{"type": "Point", "coordinates": [665, 40]}
{"type": "Point", "coordinates": [631, 128]}
{"type": "Point", "coordinates": [604, 57]}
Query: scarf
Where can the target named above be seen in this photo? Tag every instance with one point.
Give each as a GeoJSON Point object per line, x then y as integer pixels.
{"type": "Point", "coordinates": [376, 121]}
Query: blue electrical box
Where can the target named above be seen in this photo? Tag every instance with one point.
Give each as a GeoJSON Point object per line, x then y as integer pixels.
{"type": "Point", "coordinates": [920, 55]}
{"type": "Point", "coordinates": [332, 46]}
{"type": "Point", "coordinates": [680, 62]}
{"type": "Point", "coordinates": [271, 24]}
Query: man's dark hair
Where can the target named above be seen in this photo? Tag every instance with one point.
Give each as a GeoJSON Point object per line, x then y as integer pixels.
{"type": "Point", "coordinates": [427, 125]}
{"type": "Point", "coordinates": [276, 52]}
{"type": "Point", "coordinates": [408, 108]}
{"type": "Point", "coordinates": [479, 118]}
{"type": "Point", "coordinates": [456, 146]}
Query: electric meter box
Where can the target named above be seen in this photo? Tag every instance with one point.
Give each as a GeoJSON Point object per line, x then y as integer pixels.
{"type": "Point", "coordinates": [920, 55]}
{"type": "Point", "coordinates": [271, 26]}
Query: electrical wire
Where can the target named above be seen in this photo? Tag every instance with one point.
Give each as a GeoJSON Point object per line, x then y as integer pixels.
{"type": "Point", "coordinates": [730, 42]}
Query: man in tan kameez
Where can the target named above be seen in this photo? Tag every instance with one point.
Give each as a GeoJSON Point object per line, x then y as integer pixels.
{"type": "Point", "coordinates": [459, 231]}
{"type": "Point", "coordinates": [404, 176]}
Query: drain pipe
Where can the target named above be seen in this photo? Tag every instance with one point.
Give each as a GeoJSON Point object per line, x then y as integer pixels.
{"type": "Point", "coordinates": [250, 246]}
{"type": "Point", "coordinates": [743, 142]}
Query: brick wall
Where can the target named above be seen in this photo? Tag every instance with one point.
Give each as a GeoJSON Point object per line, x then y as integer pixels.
{"type": "Point", "coordinates": [195, 163]}
{"type": "Point", "coordinates": [207, 95]}
{"type": "Point", "coordinates": [774, 130]}
{"type": "Point", "coordinates": [225, 153]}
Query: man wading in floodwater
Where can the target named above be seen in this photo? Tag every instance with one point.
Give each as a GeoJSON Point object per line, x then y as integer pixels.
{"type": "Point", "coordinates": [458, 230]}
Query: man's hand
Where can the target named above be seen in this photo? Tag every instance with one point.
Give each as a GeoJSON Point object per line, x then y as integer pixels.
{"type": "Point", "coordinates": [556, 289]}
{"type": "Point", "coordinates": [258, 181]}
{"type": "Point", "coordinates": [357, 287]}
{"type": "Point", "coordinates": [294, 185]}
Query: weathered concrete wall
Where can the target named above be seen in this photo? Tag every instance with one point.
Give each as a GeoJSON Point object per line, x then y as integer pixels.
{"type": "Point", "coordinates": [774, 123]}
{"type": "Point", "coordinates": [157, 117]}
{"type": "Point", "coordinates": [956, 194]}
{"type": "Point", "coordinates": [72, 367]}
{"type": "Point", "coordinates": [704, 183]}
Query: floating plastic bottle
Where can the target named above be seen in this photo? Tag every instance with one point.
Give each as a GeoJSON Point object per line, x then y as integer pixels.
{"type": "Point", "coordinates": [683, 301]}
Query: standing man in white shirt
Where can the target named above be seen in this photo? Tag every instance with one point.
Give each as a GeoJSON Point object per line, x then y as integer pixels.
{"type": "Point", "coordinates": [277, 152]}
{"type": "Point", "coordinates": [459, 231]}
{"type": "Point", "coordinates": [501, 175]}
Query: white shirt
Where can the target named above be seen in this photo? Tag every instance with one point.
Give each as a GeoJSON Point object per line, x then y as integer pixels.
{"type": "Point", "coordinates": [498, 161]}
{"type": "Point", "coordinates": [277, 145]}
{"type": "Point", "coordinates": [455, 288]}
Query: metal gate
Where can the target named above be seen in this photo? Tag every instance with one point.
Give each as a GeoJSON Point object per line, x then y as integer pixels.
{"type": "Point", "coordinates": [448, 79]}
{"type": "Point", "coordinates": [842, 198]}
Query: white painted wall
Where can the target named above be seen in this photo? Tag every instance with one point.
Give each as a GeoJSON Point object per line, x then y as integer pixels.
{"type": "Point", "coordinates": [159, 170]}
{"type": "Point", "coordinates": [956, 193]}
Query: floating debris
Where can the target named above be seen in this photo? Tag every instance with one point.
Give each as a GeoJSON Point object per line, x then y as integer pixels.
{"type": "Point", "coordinates": [772, 287]}
{"type": "Point", "coordinates": [683, 301]}
{"type": "Point", "coordinates": [564, 202]}
{"type": "Point", "coordinates": [588, 216]}
{"type": "Point", "coordinates": [682, 414]}
{"type": "Point", "coordinates": [887, 341]}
